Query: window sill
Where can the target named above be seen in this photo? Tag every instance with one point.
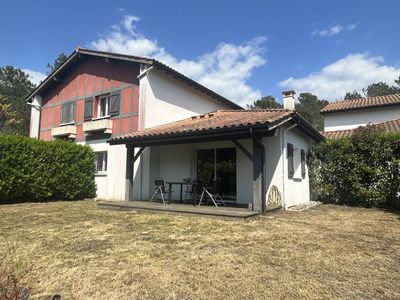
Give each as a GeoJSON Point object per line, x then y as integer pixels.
{"type": "Point", "coordinates": [66, 124]}
{"type": "Point", "coordinates": [101, 174]}
{"type": "Point", "coordinates": [100, 118]}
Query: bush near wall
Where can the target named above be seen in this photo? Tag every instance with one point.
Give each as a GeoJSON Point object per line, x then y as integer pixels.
{"type": "Point", "coordinates": [362, 170]}
{"type": "Point", "coordinates": [33, 170]}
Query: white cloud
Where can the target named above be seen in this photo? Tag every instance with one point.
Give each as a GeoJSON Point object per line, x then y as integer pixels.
{"type": "Point", "coordinates": [351, 27]}
{"type": "Point", "coordinates": [353, 72]}
{"type": "Point", "coordinates": [225, 69]}
{"type": "Point", "coordinates": [35, 76]}
{"type": "Point", "coordinates": [334, 30]}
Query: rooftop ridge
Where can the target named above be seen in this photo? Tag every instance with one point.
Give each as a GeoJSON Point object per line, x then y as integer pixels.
{"type": "Point", "coordinates": [360, 103]}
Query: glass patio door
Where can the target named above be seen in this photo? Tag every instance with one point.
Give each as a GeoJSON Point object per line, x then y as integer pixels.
{"type": "Point", "coordinates": [218, 165]}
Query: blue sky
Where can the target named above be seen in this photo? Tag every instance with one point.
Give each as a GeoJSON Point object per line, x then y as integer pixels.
{"type": "Point", "coordinates": [241, 49]}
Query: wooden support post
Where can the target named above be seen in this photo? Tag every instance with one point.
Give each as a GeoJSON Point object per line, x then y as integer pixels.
{"type": "Point", "coordinates": [258, 167]}
{"type": "Point", "coordinates": [130, 161]}
{"type": "Point", "coordinates": [243, 149]}
{"type": "Point", "coordinates": [129, 172]}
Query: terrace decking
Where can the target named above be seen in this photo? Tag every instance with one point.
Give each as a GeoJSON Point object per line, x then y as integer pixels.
{"type": "Point", "coordinates": [188, 209]}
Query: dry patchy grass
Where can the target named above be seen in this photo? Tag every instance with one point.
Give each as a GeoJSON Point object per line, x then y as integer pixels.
{"type": "Point", "coordinates": [82, 252]}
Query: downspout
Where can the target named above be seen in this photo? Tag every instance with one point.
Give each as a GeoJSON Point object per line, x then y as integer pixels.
{"type": "Point", "coordinates": [283, 155]}
{"type": "Point", "coordinates": [263, 200]}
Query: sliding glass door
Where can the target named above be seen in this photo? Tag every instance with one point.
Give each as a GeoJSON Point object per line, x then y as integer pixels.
{"type": "Point", "coordinates": [218, 167]}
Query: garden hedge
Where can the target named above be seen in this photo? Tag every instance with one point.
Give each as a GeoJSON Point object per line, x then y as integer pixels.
{"type": "Point", "coordinates": [362, 170]}
{"type": "Point", "coordinates": [33, 170]}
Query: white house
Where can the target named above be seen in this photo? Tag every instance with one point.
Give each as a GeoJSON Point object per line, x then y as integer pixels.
{"type": "Point", "coordinates": [341, 117]}
{"type": "Point", "coordinates": [145, 120]}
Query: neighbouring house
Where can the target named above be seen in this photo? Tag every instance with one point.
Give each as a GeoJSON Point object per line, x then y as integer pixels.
{"type": "Point", "coordinates": [342, 117]}
{"type": "Point", "coordinates": [145, 120]}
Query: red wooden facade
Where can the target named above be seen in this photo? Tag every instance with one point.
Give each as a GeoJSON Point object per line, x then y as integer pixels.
{"type": "Point", "coordinates": [93, 77]}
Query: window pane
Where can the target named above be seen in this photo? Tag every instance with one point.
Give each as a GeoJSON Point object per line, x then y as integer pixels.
{"type": "Point", "coordinates": [205, 166]}
{"type": "Point", "coordinates": [101, 161]}
{"type": "Point", "coordinates": [104, 106]}
{"type": "Point", "coordinates": [226, 172]}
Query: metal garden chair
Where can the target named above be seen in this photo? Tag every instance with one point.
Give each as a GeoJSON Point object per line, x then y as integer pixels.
{"type": "Point", "coordinates": [161, 190]}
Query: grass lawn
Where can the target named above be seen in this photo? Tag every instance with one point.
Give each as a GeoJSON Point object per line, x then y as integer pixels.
{"type": "Point", "coordinates": [82, 252]}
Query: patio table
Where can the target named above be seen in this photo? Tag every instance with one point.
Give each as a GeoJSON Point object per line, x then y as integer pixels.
{"type": "Point", "coordinates": [182, 183]}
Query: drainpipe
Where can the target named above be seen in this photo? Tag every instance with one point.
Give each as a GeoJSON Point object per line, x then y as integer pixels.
{"type": "Point", "coordinates": [283, 155]}
{"type": "Point", "coordinates": [263, 200]}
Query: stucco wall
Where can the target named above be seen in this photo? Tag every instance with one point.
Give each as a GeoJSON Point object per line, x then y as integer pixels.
{"type": "Point", "coordinates": [273, 163]}
{"type": "Point", "coordinates": [354, 119]}
{"type": "Point", "coordinates": [110, 184]}
{"type": "Point", "coordinates": [163, 100]}
{"type": "Point", "coordinates": [297, 190]}
{"type": "Point", "coordinates": [293, 191]}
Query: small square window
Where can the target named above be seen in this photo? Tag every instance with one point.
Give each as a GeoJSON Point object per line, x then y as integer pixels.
{"type": "Point", "coordinates": [101, 161]}
{"type": "Point", "coordinates": [103, 106]}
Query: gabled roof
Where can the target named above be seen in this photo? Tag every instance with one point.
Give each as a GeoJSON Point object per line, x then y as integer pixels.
{"type": "Point", "coordinates": [218, 122]}
{"type": "Point", "coordinates": [361, 103]}
{"type": "Point", "coordinates": [81, 53]}
{"type": "Point", "coordinates": [390, 126]}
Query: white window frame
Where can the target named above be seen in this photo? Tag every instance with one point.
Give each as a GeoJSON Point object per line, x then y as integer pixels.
{"type": "Point", "coordinates": [106, 98]}
{"type": "Point", "coordinates": [104, 155]}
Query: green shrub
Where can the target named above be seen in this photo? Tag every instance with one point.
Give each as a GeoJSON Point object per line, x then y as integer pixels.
{"type": "Point", "coordinates": [33, 170]}
{"type": "Point", "coordinates": [362, 170]}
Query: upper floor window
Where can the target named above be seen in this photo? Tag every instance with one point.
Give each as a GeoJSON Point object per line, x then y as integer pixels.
{"type": "Point", "coordinates": [103, 106]}
{"type": "Point", "coordinates": [68, 112]}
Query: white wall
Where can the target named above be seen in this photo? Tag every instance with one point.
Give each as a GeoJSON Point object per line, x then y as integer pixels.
{"type": "Point", "coordinates": [297, 189]}
{"type": "Point", "coordinates": [293, 191]}
{"type": "Point", "coordinates": [110, 184]}
{"type": "Point", "coordinates": [163, 99]}
{"type": "Point", "coordinates": [273, 163]}
{"type": "Point", "coordinates": [354, 119]}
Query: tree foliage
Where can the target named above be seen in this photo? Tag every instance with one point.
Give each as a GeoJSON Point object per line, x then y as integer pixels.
{"type": "Point", "coordinates": [362, 170]}
{"type": "Point", "coordinates": [62, 57]}
{"type": "Point", "coordinates": [267, 102]}
{"type": "Point", "coordinates": [309, 107]}
{"type": "Point", "coordinates": [352, 95]}
{"type": "Point", "coordinates": [380, 89]}
{"type": "Point", "coordinates": [8, 117]}
{"type": "Point", "coordinates": [14, 87]}
{"type": "Point", "coordinates": [34, 170]}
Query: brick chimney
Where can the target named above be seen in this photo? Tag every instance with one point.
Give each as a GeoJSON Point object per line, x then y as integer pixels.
{"type": "Point", "coordinates": [288, 99]}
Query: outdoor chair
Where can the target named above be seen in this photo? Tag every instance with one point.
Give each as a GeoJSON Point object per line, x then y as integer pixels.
{"type": "Point", "coordinates": [161, 190]}
{"type": "Point", "coordinates": [212, 193]}
{"type": "Point", "coordinates": [189, 193]}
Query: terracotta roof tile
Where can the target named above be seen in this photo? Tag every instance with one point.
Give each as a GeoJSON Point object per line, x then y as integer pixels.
{"type": "Point", "coordinates": [360, 103]}
{"type": "Point", "coordinates": [214, 120]}
{"type": "Point", "coordinates": [390, 126]}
